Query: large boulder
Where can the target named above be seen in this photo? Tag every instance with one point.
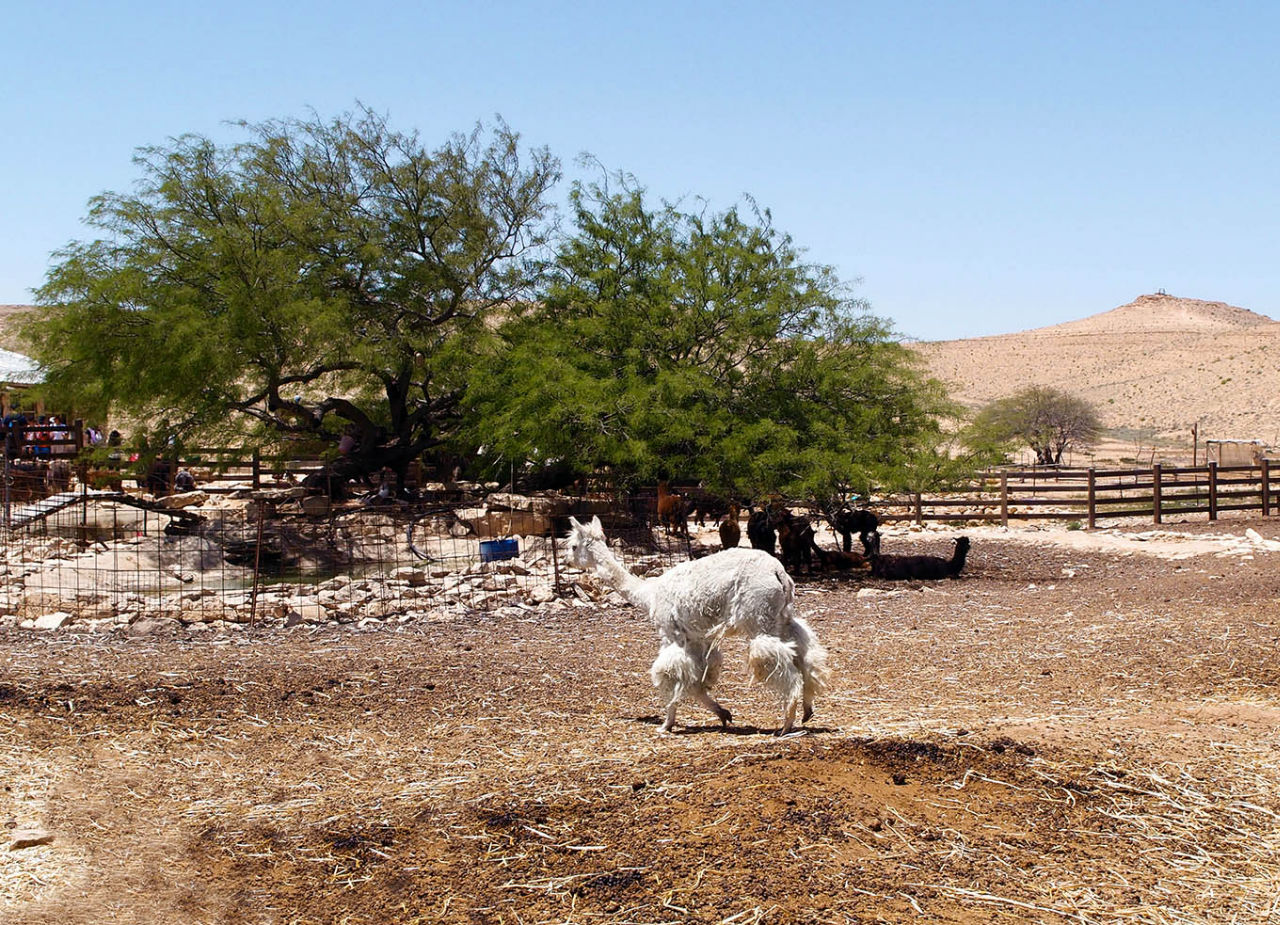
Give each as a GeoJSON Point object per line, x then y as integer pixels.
{"type": "Point", "coordinates": [185, 499]}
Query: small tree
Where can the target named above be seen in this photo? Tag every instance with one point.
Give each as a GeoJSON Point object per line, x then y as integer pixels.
{"type": "Point", "coordinates": [1048, 420]}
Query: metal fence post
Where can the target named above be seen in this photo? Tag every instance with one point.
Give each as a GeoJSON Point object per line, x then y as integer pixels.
{"type": "Point", "coordinates": [555, 562]}
{"type": "Point", "coordinates": [257, 566]}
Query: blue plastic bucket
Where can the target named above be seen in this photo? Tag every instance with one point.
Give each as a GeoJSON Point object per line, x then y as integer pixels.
{"type": "Point", "coordinates": [497, 550]}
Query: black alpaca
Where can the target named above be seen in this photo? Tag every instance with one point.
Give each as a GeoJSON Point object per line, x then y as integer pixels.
{"type": "Point", "coordinates": [760, 533]}
{"type": "Point", "coordinates": [796, 541]}
{"type": "Point", "coordinates": [848, 521]}
{"type": "Point", "coordinates": [920, 568]}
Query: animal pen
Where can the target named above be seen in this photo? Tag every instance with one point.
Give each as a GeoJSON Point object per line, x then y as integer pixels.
{"type": "Point", "coordinates": [250, 546]}
{"type": "Point", "coordinates": [95, 559]}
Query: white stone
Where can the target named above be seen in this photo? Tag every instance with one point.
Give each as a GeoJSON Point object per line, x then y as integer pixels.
{"type": "Point", "coordinates": [52, 621]}
{"type": "Point", "coordinates": [415, 577]}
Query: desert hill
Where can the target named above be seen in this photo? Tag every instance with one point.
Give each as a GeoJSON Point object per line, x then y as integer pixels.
{"type": "Point", "coordinates": [1153, 367]}
{"type": "Point", "coordinates": [9, 319]}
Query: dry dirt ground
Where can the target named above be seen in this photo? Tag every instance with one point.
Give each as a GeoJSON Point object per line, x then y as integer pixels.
{"type": "Point", "coordinates": [1062, 735]}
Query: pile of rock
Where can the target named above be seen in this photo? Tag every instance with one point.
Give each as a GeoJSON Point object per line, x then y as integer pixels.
{"type": "Point", "coordinates": [144, 582]}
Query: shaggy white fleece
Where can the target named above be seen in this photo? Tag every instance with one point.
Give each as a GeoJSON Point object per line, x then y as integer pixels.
{"type": "Point", "coordinates": [737, 592]}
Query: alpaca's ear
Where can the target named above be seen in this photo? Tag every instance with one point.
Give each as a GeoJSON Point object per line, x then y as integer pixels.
{"type": "Point", "coordinates": [573, 522]}
{"type": "Point", "coordinates": [597, 528]}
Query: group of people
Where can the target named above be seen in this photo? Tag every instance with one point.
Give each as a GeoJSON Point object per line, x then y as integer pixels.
{"type": "Point", "coordinates": [39, 437]}
{"type": "Point", "coordinates": [45, 438]}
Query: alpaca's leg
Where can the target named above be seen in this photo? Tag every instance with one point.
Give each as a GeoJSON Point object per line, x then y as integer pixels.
{"type": "Point", "coordinates": [705, 698]}
{"type": "Point", "coordinates": [710, 673]}
{"type": "Point", "coordinates": [669, 721]}
{"type": "Point", "coordinates": [675, 674]}
{"type": "Point", "coordinates": [811, 660]}
{"type": "Point", "coordinates": [788, 718]}
{"type": "Point", "coordinates": [774, 664]}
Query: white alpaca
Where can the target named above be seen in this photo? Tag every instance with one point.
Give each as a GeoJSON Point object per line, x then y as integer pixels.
{"type": "Point", "coordinates": [694, 605]}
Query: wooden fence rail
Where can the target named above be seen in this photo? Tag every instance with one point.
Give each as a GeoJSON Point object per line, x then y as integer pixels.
{"type": "Point", "coordinates": [1084, 495]}
{"type": "Point", "coordinates": [1087, 495]}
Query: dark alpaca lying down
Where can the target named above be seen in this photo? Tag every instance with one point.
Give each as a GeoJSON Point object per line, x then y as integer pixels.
{"type": "Point", "coordinates": [921, 568]}
{"type": "Point", "coordinates": [837, 560]}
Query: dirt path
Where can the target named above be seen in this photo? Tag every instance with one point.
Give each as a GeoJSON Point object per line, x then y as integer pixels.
{"type": "Point", "coordinates": [1064, 734]}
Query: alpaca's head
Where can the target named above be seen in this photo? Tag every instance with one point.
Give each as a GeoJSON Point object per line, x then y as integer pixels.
{"type": "Point", "coordinates": [871, 543]}
{"type": "Point", "coordinates": [581, 538]}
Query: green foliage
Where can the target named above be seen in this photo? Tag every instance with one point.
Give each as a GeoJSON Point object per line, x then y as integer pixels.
{"type": "Point", "coordinates": [322, 278]}
{"type": "Point", "coordinates": [319, 276]}
{"type": "Point", "coordinates": [1048, 420]}
{"type": "Point", "coordinates": [700, 346]}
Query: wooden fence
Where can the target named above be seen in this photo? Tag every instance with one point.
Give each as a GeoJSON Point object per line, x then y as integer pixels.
{"type": "Point", "coordinates": [221, 470]}
{"type": "Point", "coordinates": [1088, 495]}
{"type": "Point", "coordinates": [1000, 496]}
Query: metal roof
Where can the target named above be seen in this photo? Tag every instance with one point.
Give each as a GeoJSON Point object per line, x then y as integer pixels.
{"type": "Point", "coordinates": [18, 369]}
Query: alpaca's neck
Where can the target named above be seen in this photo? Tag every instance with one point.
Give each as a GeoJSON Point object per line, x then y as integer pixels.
{"type": "Point", "coordinates": [613, 572]}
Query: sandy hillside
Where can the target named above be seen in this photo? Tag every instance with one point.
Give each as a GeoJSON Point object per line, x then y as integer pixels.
{"type": "Point", "coordinates": [9, 318]}
{"type": "Point", "coordinates": [1154, 367]}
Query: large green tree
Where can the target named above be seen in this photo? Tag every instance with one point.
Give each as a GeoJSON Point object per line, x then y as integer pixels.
{"type": "Point", "coordinates": [1048, 420]}
{"type": "Point", "coordinates": [317, 278]}
{"type": "Point", "coordinates": [700, 345]}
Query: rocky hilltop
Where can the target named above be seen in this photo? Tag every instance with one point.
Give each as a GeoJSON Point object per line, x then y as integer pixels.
{"type": "Point", "coordinates": [1154, 368]}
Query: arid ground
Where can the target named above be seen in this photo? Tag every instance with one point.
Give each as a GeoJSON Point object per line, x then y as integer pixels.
{"type": "Point", "coordinates": [1065, 734]}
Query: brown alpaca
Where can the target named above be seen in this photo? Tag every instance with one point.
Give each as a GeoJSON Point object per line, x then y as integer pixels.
{"type": "Point", "coordinates": [730, 532]}
{"type": "Point", "coordinates": [672, 511]}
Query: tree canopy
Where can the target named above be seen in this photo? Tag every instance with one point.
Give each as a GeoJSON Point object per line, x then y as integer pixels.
{"type": "Point", "coordinates": [338, 278]}
{"type": "Point", "coordinates": [319, 277]}
{"type": "Point", "coordinates": [1048, 420]}
{"type": "Point", "coordinates": [700, 345]}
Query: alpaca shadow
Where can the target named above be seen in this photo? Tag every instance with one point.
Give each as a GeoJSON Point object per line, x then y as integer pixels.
{"type": "Point", "coordinates": [733, 729]}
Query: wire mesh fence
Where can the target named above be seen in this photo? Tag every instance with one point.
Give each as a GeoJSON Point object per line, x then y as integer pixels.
{"type": "Point", "coordinates": [94, 561]}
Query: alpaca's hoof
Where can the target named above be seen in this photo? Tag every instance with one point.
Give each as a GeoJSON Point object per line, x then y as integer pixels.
{"type": "Point", "coordinates": [808, 714]}
{"type": "Point", "coordinates": [725, 718]}
{"type": "Point", "coordinates": [663, 729]}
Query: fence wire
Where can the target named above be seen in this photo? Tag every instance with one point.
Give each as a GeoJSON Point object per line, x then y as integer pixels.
{"type": "Point", "coordinates": [97, 564]}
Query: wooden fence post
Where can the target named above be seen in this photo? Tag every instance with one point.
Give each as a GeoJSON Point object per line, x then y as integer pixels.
{"type": "Point", "coordinates": [257, 468]}
{"type": "Point", "coordinates": [1093, 497]}
{"type": "Point", "coordinates": [1155, 493]}
{"type": "Point", "coordinates": [1266, 487]}
{"type": "Point", "coordinates": [919, 510]}
{"type": "Point", "coordinates": [1004, 499]}
{"type": "Point", "coordinates": [1213, 491]}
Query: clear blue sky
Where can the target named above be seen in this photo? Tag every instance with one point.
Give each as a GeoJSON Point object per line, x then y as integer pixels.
{"type": "Point", "coordinates": [981, 167]}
